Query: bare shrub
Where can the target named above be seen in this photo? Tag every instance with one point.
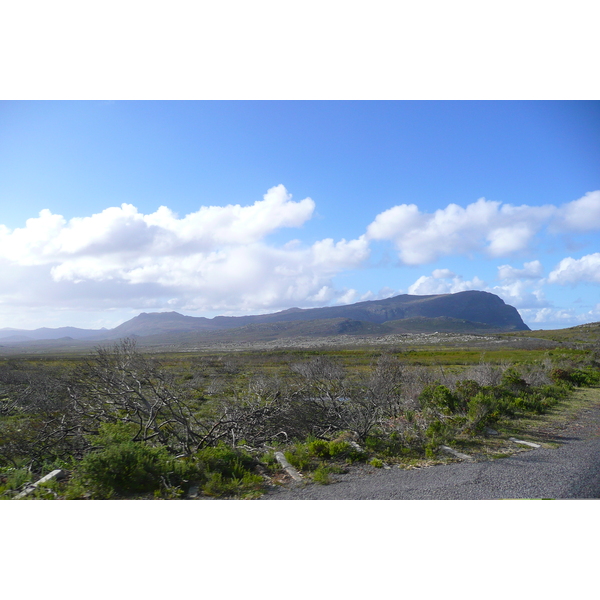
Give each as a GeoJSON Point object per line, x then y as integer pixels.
{"type": "Point", "coordinates": [485, 374]}
{"type": "Point", "coordinates": [415, 380]}
{"type": "Point", "coordinates": [537, 375]}
{"type": "Point", "coordinates": [121, 385]}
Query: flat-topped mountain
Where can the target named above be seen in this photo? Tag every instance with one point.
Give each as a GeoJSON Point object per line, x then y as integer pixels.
{"type": "Point", "coordinates": [470, 311]}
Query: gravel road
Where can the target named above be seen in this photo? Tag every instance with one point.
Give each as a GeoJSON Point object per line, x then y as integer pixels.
{"type": "Point", "coordinates": [569, 471]}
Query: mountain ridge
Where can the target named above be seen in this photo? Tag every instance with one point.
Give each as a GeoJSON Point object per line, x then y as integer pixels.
{"type": "Point", "coordinates": [470, 310]}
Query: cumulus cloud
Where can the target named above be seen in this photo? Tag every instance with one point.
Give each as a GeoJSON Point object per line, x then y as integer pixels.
{"type": "Point", "coordinates": [545, 316]}
{"type": "Point", "coordinates": [214, 259]}
{"type": "Point", "coordinates": [580, 215]}
{"type": "Point", "coordinates": [520, 294]}
{"type": "Point", "coordinates": [556, 318]}
{"type": "Point", "coordinates": [493, 228]}
{"type": "Point", "coordinates": [520, 287]}
{"type": "Point", "coordinates": [530, 270]}
{"type": "Point", "coordinates": [443, 281]}
{"type": "Point", "coordinates": [123, 230]}
{"type": "Point", "coordinates": [573, 271]}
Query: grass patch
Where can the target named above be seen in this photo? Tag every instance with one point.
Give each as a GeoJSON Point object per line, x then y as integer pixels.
{"type": "Point", "coordinates": [558, 417]}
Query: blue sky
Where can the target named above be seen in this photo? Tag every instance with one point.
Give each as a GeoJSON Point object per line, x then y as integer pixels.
{"type": "Point", "coordinates": [273, 204]}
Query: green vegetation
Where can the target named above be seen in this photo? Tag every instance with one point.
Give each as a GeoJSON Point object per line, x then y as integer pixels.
{"type": "Point", "coordinates": [122, 424]}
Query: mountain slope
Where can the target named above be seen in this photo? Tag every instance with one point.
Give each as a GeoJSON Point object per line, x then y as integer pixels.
{"type": "Point", "coordinates": [472, 306]}
{"type": "Point", "coordinates": [463, 311]}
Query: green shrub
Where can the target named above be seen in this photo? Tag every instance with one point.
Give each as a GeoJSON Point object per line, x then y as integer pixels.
{"type": "Point", "coordinates": [535, 403]}
{"type": "Point", "coordinates": [300, 457]}
{"type": "Point", "coordinates": [482, 411]}
{"type": "Point", "coordinates": [585, 377]}
{"type": "Point", "coordinates": [439, 397]}
{"type": "Point", "coordinates": [339, 448]}
{"type": "Point", "coordinates": [513, 381]}
{"type": "Point", "coordinates": [249, 485]}
{"type": "Point", "coordinates": [229, 462]}
{"type": "Point", "coordinates": [560, 376]}
{"type": "Point", "coordinates": [319, 448]}
{"type": "Point", "coordinates": [575, 377]}
{"type": "Point", "coordinates": [12, 480]}
{"type": "Point", "coordinates": [322, 475]}
{"type": "Point", "coordinates": [390, 445]}
{"type": "Point", "coordinates": [376, 462]}
{"type": "Point", "coordinates": [438, 432]}
{"type": "Point", "coordinates": [465, 390]}
{"type": "Point", "coordinates": [344, 450]}
{"type": "Point", "coordinates": [123, 467]}
{"type": "Point", "coordinates": [268, 459]}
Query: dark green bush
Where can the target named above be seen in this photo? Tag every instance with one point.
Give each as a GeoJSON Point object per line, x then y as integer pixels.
{"type": "Point", "coordinates": [438, 433]}
{"type": "Point", "coordinates": [345, 450]}
{"type": "Point", "coordinates": [439, 397]}
{"type": "Point", "coordinates": [248, 485]}
{"type": "Point", "coordinates": [319, 448]}
{"type": "Point", "coordinates": [513, 381]}
{"type": "Point", "coordinates": [585, 377]}
{"type": "Point", "coordinates": [559, 375]}
{"type": "Point", "coordinates": [339, 448]}
{"type": "Point", "coordinates": [464, 391]}
{"type": "Point", "coordinates": [482, 411]}
{"type": "Point", "coordinates": [122, 467]}
{"type": "Point", "coordinates": [229, 462]}
{"type": "Point", "coordinates": [299, 456]}
{"type": "Point", "coordinates": [322, 475]}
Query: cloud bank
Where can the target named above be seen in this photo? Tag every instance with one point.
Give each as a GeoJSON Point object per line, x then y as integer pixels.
{"type": "Point", "coordinates": [214, 259]}
{"type": "Point", "coordinates": [573, 271]}
{"type": "Point", "coordinates": [219, 259]}
{"type": "Point", "coordinates": [492, 228]}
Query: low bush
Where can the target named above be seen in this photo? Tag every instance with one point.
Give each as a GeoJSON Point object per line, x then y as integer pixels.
{"type": "Point", "coordinates": [300, 457]}
{"type": "Point", "coordinates": [482, 411]}
{"type": "Point", "coordinates": [322, 475]}
{"type": "Point", "coordinates": [319, 448]}
{"type": "Point", "coordinates": [249, 485]}
{"type": "Point", "coordinates": [12, 480]}
{"type": "Point", "coordinates": [122, 467]}
{"type": "Point", "coordinates": [439, 397]}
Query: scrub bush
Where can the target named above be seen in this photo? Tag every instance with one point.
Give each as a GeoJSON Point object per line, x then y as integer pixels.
{"type": "Point", "coordinates": [439, 397]}
{"type": "Point", "coordinates": [319, 448]}
{"type": "Point", "coordinates": [122, 467]}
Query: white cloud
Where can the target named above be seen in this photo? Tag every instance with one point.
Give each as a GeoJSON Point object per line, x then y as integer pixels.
{"type": "Point", "coordinates": [122, 230]}
{"type": "Point", "coordinates": [519, 294]}
{"type": "Point", "coordinates": [530, 270]}
{"type": "Point", "coordinates": [573, 271]}
{"type": "Point", "coordinates": [442, 274]}
{"type": "Point", "coordinates": [556, 318]}
{"type": "Point", "coordinates": [218, 258]}
{"type": "Point", "coordinates": [213, 259]}
{"type": "Point", "coordinates": [444, 282]}
{"type": "Point", "coordinates": [348, 297]}
{"type": "Point", "coordinates": [580, 215]}
{"type": "Point", "coordinates": [520, 287]}
{"type": "Point", "coordinates": [483, 226]}
{"type": "Point", "coordinates": [560, 317]}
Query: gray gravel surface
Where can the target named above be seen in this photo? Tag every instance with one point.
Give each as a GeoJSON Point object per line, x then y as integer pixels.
{"type": "Point", "coordinates": [569, 471]}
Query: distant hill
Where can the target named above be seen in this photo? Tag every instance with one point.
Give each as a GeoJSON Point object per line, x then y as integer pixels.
{"type": "Point", "coordinates": [470, 311]}
{"type": "Point", "coordinates": [588, 333]}
{"type": "Point", "coordinates": [47, 333]}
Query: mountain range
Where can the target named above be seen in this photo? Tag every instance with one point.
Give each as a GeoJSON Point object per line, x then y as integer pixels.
{"type": "Point", "coordinates": [469, 311]}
